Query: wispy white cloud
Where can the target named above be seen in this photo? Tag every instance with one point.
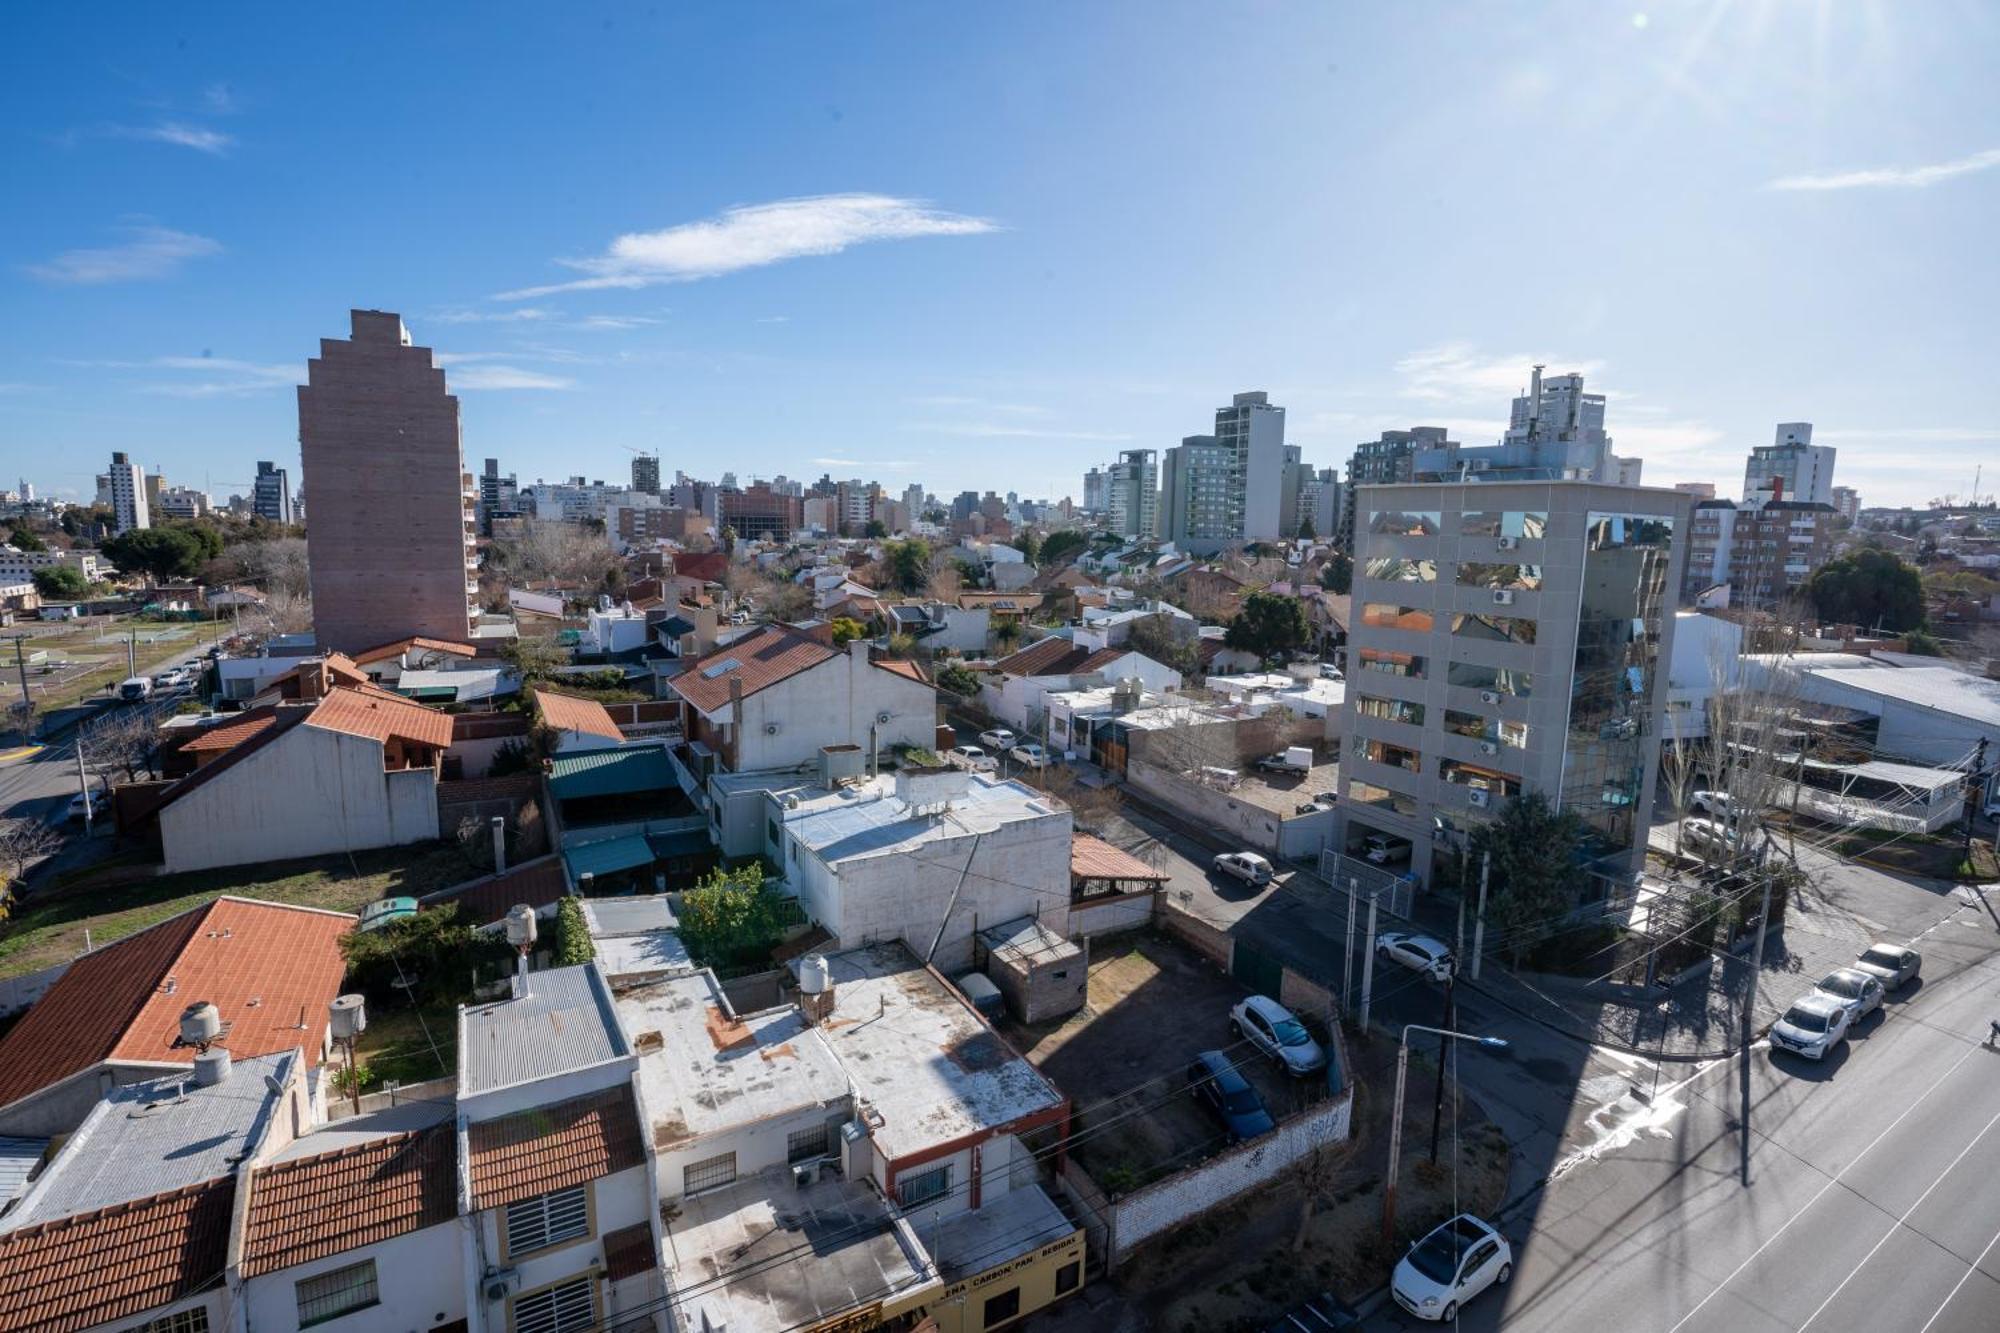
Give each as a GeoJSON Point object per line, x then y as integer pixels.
{"type": "Point", "coordinates": [1457, 372]}
{"type": "Point", "coordinates": [753, 236]}
{"type": "Point", "coordinates": [606, 323]}
{"type": "Point", "coordinates": [1008, 430]}
{"type": "Point", "coordinates": [1891, 178]}
{"type": "Point", "coordinates": [147, 253]}
{"type": "Point", "coordinates": [220, 99]}
{"type": "Point", "coordinates": [216, 376]}
{"type": "Point", "coordinates": [876, 464]}
{"type": "Point", "coordinates": [201, 139]}
{"type": "Point", "coordinates": [483, 377]}
{"type": "Point", "coordinates": [10, 387]}
{"type": "Point", "coordinates": [774, 319]}
{"type": "Point", "coordinates": [518, 315]}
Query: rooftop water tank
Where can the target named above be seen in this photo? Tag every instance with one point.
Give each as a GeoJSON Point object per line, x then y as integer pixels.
{"type": "Point", "coordinates": [347, 1016]}
{"type": "Point", "coordinates": [521, 925]}
{"type": "Point", "coordinates": [201, 1023]}
{"type": "Point", "coordinates": [815, 974]}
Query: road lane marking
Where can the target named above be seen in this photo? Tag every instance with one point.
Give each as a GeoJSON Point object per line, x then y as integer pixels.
{"type": "Point", "coordinates": [1831, 1182]}
{"type": "Point", "coordinates": [1898, 1224]}
{"type": "Point", "coordinates": [1964, 1277]}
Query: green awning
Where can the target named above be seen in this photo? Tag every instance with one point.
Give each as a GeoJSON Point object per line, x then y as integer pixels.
{"type": "Point", "coordinates": [447, 693]}
{"type": "Point", "coordinates": [607, 857]}
{"type": "Point", "coordinates": [616, 771]}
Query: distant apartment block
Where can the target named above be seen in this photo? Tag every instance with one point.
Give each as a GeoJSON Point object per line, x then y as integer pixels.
{"type": "Point", "coordinates": [1847, 503]}
{"type": "Point", "coordinates": [1792, 467]}
{"type": "Point", "coordinates": [271, 495]}
{"type": "Point", "coordinates": [1765, 550]}
{"type": "Point", "coordinates": [1132, 494]}
{"type": "Point", "coordinates": [757, 511]}
{"type": "Point", "coordinates": [1385, 462]}
{"type": "Point", "coordinates": [1555, 432]}
{"type": "Point", "coordinates": [391, 540]}
{"type": "Point", "coordinates": [125, 490]}
{"type": "Point", "coordinates": [181, 503]}
{"type": "Point", "coordinates": [646, 473]}
{"type": "Point", "coordinates": [1508, 637]}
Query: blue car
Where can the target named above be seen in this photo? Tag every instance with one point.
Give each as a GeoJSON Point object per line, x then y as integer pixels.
{"type": "Point", "coordinates": [1216, 1084]}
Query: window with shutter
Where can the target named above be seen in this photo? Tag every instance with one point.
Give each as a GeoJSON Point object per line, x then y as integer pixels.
{"type": "Point", "coordinates": [708, 1174]}
{"type": "Point", "coordinates": [567, 1307]}
{"type": "Point", "coordinates": [339, 1292]}
{"type": "Point", "coordinates": [548, 1219]}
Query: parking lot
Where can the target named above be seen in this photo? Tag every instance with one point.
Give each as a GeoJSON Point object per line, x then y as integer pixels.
{"type": "Point", "coordinates": [1154, 1005]}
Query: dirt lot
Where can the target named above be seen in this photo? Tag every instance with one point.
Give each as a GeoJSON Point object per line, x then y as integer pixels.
{"type": "Point", "coordinates": [1154, 1005]}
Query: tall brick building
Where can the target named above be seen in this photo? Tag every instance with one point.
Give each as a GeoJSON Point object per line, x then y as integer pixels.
{"type": "Point", "coordinates": [393, 518]}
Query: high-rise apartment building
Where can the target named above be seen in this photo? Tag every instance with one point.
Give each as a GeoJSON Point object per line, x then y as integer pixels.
{"type": "Point", "coordinates": [271, 494]}
{"type": "Point", "coordinates": [1764, 549]}
{"type": "Point", "coordinates": [758, 511]}
{"type": "Point", "coordinates": [1200, 496]}
{"type": "Point", "coordinates": [1385, 462]}
{"type": "Point", "coordinates": [1254, 430]}
{"type": "Point", "coordinates": [1096, 497]}
{"type": "Point", "coordinates": [393, 508]}
{"type": "Point", "coordinates": [1790, 468]}
{"type": "Point", "coordinates": [124, 489]}
{"type": "Point", "coordinates": [646, 473]}
{"type": "Point", "coordinates": [1846, 502]}
{"type": "Point", "coordinates": [1319, 503]}
{"type": "Point", "coordinates": [1508, 637]}
{"type": "Point", "coordinates": [498, 495]}
{"type": "Point", "coordinates": [181, 503]}
{"type": "Point", "coordinates": [1555, 432]}
{"type": "Point", "coordinates": [1132, 494]}
{"type": "Point", "coordinates": [913, 500]}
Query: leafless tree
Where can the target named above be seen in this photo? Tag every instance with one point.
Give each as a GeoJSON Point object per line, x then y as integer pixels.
{"type": "Point", "coordinates": [288, 611]}
{"type": "Point", "coordinates": [1754, 747]}
{"type": "Point", "coordinates": [23, 842]}
{"type": "Point", "coordinates": [123, 743]}
{"type": "Point", "coordinates": [1089, 806]}
{"type": "Point", "coordinates": [547, 550]}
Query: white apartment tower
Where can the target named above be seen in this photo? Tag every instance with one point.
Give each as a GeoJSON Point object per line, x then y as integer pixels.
{"type": "Point", "coordinates": [1793, 466]}
{"type": "Point", "coordinates": [126, 488]}
{"type": "Point", "coordinates": [1255, 431]}
{"type": "Point", "coordinates": [1132, 493]}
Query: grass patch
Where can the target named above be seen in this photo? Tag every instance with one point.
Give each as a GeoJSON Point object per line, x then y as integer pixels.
{"type": "Point", "coordinates": [395, 1048]}
{"type": "Point", "coordinates": [117, 899]}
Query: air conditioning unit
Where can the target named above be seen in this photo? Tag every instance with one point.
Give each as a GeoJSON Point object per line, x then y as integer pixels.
{"type": "Point", "coordinates": [770, 728]}
{"type": "Point", "coordinates": [1478, 797]}
{"type": "Point", "coordinates": [1488, 747]}
{"type": "Point", "coordinates": [1503, 597]}
{"type": "Point", "coordinates": [499, 1282]}
{"type": "Point", "coordinates": [805, 1174]}
{"type": "Point", "coordinates": [882, 719]}
{"type": "Point", "coordinates": [1507, 543]}
{"type": "Point", "coordinates": [1489, 696]}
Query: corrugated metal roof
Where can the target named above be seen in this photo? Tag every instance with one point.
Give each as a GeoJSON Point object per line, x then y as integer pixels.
{"type": "Point", "coordinates": [18, 1159]}
{"type": "Point", "coordinates": [608, 857]}
{"type": "Point", "coordinates": [620, 771]}
{"type": "Point", "coordinates": [564, 1023]}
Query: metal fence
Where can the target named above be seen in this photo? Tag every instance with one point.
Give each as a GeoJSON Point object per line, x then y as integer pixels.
{"type": "Point", "coordinates": [1363, 879]}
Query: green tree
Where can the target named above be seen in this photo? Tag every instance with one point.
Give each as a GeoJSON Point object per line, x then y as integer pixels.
{"type": "Point", "coordinates": [1154, 636]}
{"type": "Point", "coordinates": [61, 583]}
{"type": "Point", "coordinates": [573, 946]}
{"type": "Point", "coordinates": [23, 538]}
{"type": "Point", "coordinates": [875, 529]}
{"type": "Point", "coordinates": [1306, 530]}
{"type": "Point", "coordinates": [161, 554]}
{"type": "Point", "coordinates": [909, 563]}
{"type": "Point", "coordinates": [733, 918]}
{"type": "Point", "coordinates": [1058, 547]}
{"type": "Point", "coordinates": [902, 645]}
{"type": "Point", "coordinates": [846, 630]}
{"type": "Point", "coordinates": [428, 958]}
{"type": "Point", "coordinates": [1337, 575]}
{"type": "Point", "coordinates": [1270, 625]}
{"type": "Point", "coordinates": [954, 676]}
{"type": "Point", "coordinates": [1919, 644]}
{"type": "Point", "coordinates": [1535, 880]}
{"type": "Point", "coordinates": [1030, 547]}
{"type": "Point", "coordinates": [1870, 588]}
{"type": "Point", "coordinates": [534, 657]}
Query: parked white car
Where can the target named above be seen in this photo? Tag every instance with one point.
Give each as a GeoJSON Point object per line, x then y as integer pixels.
{"type": "Point", "coordinates": [1381, 849]}
{"type": "Point", "coordinates": [97, 802]}
{"type": "Point", "coordinates": [999, 738]}
{"type": "Point", "coordinates": [1246, 866]}
{"type": "Point", "coordinates": [1894, 965]}
{"type": "Point", "coordinates": [1450, 1266]}
{"type": "Point", "coordinates": [1812, 1027]}
{"type": "Point", "coordinates": [1419, 953]}
{"type": "Point", "coordinates": [971, 758]}
{"type": "Point", "coordinates": [1715, 804]}
{"type": "Point", "coordinates": [1859, 992]}
{"type": "Point", "coordinates": [1029, 754]}
{"type": "Point", "coordinates": [1274, 1030]}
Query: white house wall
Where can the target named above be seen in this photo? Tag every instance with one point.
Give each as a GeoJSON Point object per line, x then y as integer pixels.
{"type": "Point", "coordinates": [835, 703]}
{"type": "Point", "coordinates": [621, 1199]}
{"type": "Point", "coordinates": [419, 1275]}
{"type": "Point", "coordinates": [310, 792]}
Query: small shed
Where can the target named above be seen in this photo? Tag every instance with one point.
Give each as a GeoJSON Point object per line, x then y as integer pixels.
{"type": "Point", "coordinates": [1043, 975]}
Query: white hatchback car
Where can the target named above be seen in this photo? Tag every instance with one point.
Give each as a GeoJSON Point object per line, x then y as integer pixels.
{"type": "Point", "coordinates": [1450, 1266]}
{"type": "Point", "coordinates": [1274, 1030]}
{"type": "Point", "coordinates": [999, 738]}
{"type": "Point", "coordinates": [1246, 866]}
{"type": "Point", "coordinates": [1419, 953]}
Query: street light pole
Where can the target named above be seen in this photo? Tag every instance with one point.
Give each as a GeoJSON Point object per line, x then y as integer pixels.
{"type": "Point", "coordinates": [1396, 1115]}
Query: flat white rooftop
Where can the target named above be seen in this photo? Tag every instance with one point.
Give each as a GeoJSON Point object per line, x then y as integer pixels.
{"type": "Point", "coordinates": [999, 1231]}
{"type": "Point", "coordinates": [711, 1072]}
{"type": "Point", "coordinates": [754, 1231]}
{"type": "Point", "coordinates": [630, 959]}
{"type": "Point", "coordinates": [925, 1063]}
{"type": "Point", "coordinates": [867, 819]}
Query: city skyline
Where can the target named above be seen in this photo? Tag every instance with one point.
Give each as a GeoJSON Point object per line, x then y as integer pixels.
{"type": "Point", "coordinates": [1025, 284]}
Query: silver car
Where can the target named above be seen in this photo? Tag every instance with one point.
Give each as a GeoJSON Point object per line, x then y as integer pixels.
{"type": "Point", "coordinates": [1894, 965]}
{"type": "Point", "coordinates": [1812, 1027]}
{"type": "Point", "coordinates": [1272, 1029]}
{"type": "Point", "coordinates": [1855, 989]}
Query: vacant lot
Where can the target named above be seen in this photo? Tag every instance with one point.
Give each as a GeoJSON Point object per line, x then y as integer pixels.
{"type": "Point", "coordinates": [1154, 1005]}
{"type": "Point", "coordinates": [109, 902]}
{"type": "Point", "coordinates": [96, 655]}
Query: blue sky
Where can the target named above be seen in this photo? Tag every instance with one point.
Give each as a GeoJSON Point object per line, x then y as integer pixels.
{"type": "Point", "coordinates": [989, 246]}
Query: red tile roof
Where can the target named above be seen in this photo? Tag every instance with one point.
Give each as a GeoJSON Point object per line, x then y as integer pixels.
{"type": "Point", "coordinates": [901, 668]}
{"type": "Point", "coordinates": [537, 883]}
{"type": "Point", "coordinates": [1058, 657]}
{"type": "Point", "coordinates": [264, 965]}
{"type": "Point", "coordinates": [114, 1263]}
{"type": "Point", "coordinates": [1093, 858]}
{"type": "Point", "coordinates": [629, 1251]}
{"type": "Point", "coordinates": [229, 734]}
{"type": "Point", "coordinates": [554, 1147]}
{"type": "Point", "coordinates": [311, 1207]}
{"type": "Point", "coordinates": [377, 715]}
{"type": "Point", "coordinates": [761, 659]}
{"type": "Point", "coordinates": [566, 712]}
{"type": "Point", "coordinates": [384, 651]}
{"type": "Point", "coordinates": [286, 718]}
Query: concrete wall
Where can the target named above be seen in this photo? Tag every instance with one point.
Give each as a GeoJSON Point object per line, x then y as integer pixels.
{"type": "Point", "coordinates": [758, 1145]}
{"type": "Point", "coordinates": [1092, 917]}
{"type": "Point", "coordinates": [1287, 836]}
{"type": "Point", "coordinates": [1185, 1195]}
{"type": "Point", "coordinates": [310, 792]}
{"type": "Point", "coordinates": [419, 1274]}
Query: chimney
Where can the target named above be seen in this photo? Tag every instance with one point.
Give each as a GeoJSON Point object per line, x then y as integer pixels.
{"type": "Point", "coordinates": [858, 650]}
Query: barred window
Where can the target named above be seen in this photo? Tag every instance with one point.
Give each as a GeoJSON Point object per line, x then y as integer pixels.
{"type": "Point", "coordinates": [923, 1186]}
{"type": "Point", "coordinates": [548, 1219]}
{"type": "Point", "coordinates": [567, 1307]}
{"type": "Point", "coordinates": [708, 1174]}
{"type": "Point", "coordinates": [185, 1321]}
{"type": "Point", "coordinates": [805, 1145]}
{"type": "Point", "coordinates": [338, 1292]}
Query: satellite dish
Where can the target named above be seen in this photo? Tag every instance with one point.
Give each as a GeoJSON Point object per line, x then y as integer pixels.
{"type": "Point", "coordinates": [275, 1084]}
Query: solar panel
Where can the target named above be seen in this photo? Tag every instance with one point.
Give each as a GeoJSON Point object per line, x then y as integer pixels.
{"type": "Point", "coordinates": [722, 668]}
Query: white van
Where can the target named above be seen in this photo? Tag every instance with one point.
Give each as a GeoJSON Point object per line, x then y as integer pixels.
{"type": "Point", "coordinates": [134, 689]}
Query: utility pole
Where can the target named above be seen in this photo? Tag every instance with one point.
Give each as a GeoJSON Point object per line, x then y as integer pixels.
{"type": "Point", "coordinates": [1396, 1113]}
{"type": "Point", "coordinates": [1479, 921]}
{"type": "Point", "coordinates": [1347, 961]}
{"type": "Point", "coordinates": [1975, 782]}
{"type": "Point", "coordinates": [132, 653]}
{"type": "Point", "coordinates": [1368, 971]}
{"type": "Point", "coordinates": [1750, 1016]}
{"type": "Point", "coordinates": [27, 699]}
{"type": "Point", "coordinates": [83, 782]}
